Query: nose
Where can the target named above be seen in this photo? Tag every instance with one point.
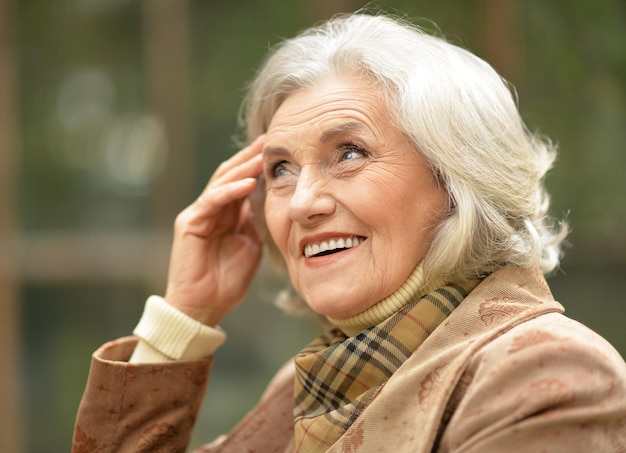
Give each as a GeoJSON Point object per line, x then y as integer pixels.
{"type": "Point", "coordinates": [311, 201]}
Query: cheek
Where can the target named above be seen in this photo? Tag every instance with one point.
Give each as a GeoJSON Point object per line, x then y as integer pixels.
{"type": "Point", "coordinates": [403, 212]}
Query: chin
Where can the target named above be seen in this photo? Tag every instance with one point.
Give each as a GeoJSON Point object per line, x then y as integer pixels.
{"type": "Point", "coordinates": [335, 306]}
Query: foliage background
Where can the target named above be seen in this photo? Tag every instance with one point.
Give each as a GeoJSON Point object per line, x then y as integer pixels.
{"type": "Point", "coordinates": [122, 113]}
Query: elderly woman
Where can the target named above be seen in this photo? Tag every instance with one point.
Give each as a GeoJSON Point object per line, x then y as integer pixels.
{"type": "Point", "coordinates": [405, 197]}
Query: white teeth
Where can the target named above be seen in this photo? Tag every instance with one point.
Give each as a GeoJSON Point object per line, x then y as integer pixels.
{"type": "Point", "coordinates": [332, 244]}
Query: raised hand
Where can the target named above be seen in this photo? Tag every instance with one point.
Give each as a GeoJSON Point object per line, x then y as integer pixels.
{"type": "Point", "coordinates": [216, 250]}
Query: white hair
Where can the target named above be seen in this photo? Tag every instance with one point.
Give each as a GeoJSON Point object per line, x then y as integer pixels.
{"type": "Point", "coordinates": [460, 115]}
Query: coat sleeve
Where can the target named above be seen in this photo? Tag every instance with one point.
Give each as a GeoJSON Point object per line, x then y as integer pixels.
{"type": "Point", "coordinates": [551, 385]}
{"type": "Point", "coordinates": [128, 407]}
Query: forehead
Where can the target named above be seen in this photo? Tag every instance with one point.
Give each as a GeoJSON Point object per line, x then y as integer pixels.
{"type": "Point", "coordinates": [336, 105]}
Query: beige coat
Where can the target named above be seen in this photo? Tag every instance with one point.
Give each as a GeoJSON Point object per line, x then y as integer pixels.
{"type": "Point", "coordinates": [505, 372]}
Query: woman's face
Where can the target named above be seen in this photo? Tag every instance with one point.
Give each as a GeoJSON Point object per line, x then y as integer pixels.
{"type": "Point", "coordinates": [350, 203]}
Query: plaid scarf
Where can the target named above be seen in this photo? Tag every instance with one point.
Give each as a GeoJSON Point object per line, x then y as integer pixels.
{"type": "Point", "coordinates": [338, 376]}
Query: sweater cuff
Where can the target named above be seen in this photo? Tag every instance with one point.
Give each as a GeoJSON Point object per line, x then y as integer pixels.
{"type": "Point", "coordinates": [168, 334]}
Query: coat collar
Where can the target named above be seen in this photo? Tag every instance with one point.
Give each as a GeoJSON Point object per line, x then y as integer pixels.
{"type": "Point", "coordinates": [418, 393]}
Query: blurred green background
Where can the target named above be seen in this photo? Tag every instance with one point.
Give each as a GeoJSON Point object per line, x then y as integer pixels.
{"type": "Point", "coordinates": [114, 113]}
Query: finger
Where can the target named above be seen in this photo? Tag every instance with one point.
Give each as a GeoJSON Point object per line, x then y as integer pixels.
{"type": "Point", "coordinates": [216, 205]}
{"type": "Point", "coordinates": [249, 169]}
{"type": "Point", "coordinates": [256, 202]}
{"type": "Point", "coordinates": [240, 157]}
{"type": "Point", "coordinates": [248, 222]}
{"type": "Point", "coordinates": [214, 198]}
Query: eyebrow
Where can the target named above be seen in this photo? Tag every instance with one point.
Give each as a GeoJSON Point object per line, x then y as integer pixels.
{"type": "Point", "coordinates": [275, 151]}
{"type": "Point", "coordinates": [327, 136]}
{"type": "Point", "coordinates": [331, 133]}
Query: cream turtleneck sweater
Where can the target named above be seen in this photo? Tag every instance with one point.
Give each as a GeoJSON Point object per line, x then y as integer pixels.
{"type": "Point", "coordinates": [411, 289]}
{"type": "Point", "coordinates": [167, 334]}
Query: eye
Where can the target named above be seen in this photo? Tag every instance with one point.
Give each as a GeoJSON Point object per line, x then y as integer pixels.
{"type": "Point", "coordinates": [278, 169]}
{"type": "Point", "coordinates": [350, 152]}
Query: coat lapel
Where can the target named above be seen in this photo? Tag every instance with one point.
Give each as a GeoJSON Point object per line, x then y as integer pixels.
{"type": "Point", "coordinates": [407, 414]}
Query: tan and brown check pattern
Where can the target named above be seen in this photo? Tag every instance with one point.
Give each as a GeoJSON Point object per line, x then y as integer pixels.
{"type": "Point", "coordinates": [337, 376]}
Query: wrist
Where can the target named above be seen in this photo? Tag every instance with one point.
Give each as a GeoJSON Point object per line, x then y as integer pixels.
{"type": "Point", "coordinates": [209, 316]}
{"type": "Point", "coordinates": [175, 334]}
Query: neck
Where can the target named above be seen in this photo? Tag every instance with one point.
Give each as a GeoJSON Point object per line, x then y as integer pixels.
{"type": "Point", "coordinates": [413, 288]}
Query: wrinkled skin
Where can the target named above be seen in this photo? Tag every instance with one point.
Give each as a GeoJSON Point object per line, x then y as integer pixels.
{"type": "Point", "coordinates": [335, 169]}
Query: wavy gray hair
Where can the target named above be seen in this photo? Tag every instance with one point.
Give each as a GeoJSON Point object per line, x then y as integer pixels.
{"type": "Point", "coordinates": [460, 114]}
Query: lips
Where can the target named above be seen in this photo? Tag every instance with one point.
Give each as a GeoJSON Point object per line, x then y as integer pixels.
{"type": "Point", "coordinates": [333, 245]}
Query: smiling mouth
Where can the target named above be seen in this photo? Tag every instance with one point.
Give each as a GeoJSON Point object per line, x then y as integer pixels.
{"type": "Point", "coordinates": [331, 246]}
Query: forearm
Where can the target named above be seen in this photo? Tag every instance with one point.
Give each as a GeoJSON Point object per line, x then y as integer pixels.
{"type": "Point", "coordinates": [138, 407]}
{"type": "Point", "coordinates": [145, 392]}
